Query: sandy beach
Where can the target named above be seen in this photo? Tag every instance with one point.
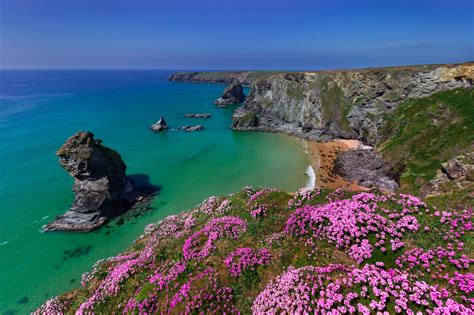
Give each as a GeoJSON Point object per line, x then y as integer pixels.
{"type": "Point", "coordinates": [322, 156]}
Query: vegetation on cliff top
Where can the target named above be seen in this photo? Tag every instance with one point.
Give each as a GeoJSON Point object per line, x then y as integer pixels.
{"type": "Point", "coordinates": [266, 251]}
{"type": "Point", "coordinates": [423, 133]}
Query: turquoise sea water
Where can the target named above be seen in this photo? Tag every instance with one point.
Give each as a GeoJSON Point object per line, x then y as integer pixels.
{"type": "Point", "coordinates": [39, 110]}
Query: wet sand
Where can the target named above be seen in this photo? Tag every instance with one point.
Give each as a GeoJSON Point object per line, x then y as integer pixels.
{"type": "Point", "coordinates": [322, 156]}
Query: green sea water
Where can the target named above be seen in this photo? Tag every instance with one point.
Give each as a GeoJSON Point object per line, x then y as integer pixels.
{"type": "Point", "coordinates": [39, 110]}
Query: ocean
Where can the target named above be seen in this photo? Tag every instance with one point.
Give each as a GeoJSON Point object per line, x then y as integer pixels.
{"type": "Point", "coordinates": [40, 109]}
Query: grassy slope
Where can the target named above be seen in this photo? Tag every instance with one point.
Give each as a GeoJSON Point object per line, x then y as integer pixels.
{"type": "Point", "coordinates": [286, 251]}
{"type": "Point", "coordinates": [423, 133]}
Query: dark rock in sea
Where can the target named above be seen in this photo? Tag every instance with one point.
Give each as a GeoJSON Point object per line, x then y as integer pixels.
{"type": "Point", "coordinates": [233, 94]}
{"type": "Point", "coordinates": [192, 128]}
{"type": "Point", "coordinates": [365, 167]}
{"type": "Point", "coordinates": [205, 115]}
{"type": "Point", "coordinates": [101, 188]}
{"type": "Point", "coordinates": [160, 125]}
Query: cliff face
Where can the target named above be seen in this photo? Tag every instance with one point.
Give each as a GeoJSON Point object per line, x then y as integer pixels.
{"type": "Point", "coordinates": [233, 94]}
{"type": "Point", "coordinates": [342, 104]}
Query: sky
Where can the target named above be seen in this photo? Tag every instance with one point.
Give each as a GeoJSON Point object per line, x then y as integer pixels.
{"type": "Point", "coordinates": [234, 34]}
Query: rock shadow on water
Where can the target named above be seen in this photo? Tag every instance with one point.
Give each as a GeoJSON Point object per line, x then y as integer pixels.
{"type": "Point", "coordinates": [78, 251]}
{"type": "Point", "coordinates": [143, 185]}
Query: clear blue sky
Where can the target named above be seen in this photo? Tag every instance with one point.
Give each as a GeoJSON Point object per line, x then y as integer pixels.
{"type": "Point", "coordinates": [233, 34]}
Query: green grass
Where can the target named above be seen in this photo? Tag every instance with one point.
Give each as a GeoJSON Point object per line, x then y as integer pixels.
{"type": "Point", "coordinates": [335, 106]}
{"type": "Point", "coordinates": [423, 133]}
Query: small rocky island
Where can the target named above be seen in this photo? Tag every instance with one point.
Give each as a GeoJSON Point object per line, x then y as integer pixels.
{"type": "Point", "coordinates": [101, 188]}
{"type": "Point", "coordinates": [192, 128]}
{"type": "Point", "coordinates": [160, 125]}
{"type": "Point", "coordinates": [233, 94]}
{"type": "Point", "coordinates": [204, 115]}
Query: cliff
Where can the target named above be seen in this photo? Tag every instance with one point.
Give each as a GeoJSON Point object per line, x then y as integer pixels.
{"type": "Point", "coordinates": [343, 104]}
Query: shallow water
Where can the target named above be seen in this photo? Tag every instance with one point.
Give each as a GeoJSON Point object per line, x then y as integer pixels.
{"type": "Point", "coordinates": [39, 110]}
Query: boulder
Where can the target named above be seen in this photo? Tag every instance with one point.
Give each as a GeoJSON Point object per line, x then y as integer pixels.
{"type": "Point", "coordinates": [101, 188]}
{"type": "Point", "coordinates": [192, 128]}
{"type": "Point", "coordinates": [455, 177]}
{"type": "Point", "coordinates": [233, 94]}
{"type": "Point", "coordinates": [160, 125]}
{"type": "Point", "coordinates": [365, 167]}
{"type": "Point", "coordinates": [205, 115]}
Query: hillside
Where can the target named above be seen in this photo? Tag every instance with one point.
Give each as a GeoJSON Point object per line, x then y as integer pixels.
{"type": "Point", "coordinates": [266, 251]}
{"type": "Point", "coordinates": [423, 133]}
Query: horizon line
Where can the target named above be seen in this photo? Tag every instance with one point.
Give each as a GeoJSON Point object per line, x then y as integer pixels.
{"type": "Point", "coordinates": [228, 69]}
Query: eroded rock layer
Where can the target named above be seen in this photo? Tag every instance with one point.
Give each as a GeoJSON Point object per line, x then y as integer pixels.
{"type": "Point", "coordinates": [342, 104]}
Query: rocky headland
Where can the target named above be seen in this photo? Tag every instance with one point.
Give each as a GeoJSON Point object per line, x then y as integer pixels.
{"type": "Point", "coordinates": [233, 94]}
{"type": "Point", "coordinates": [101, 188]}
{"type": "Point", "coordinates": [342, 104]}
{"type": "Point", "coordinates": [353, 104]}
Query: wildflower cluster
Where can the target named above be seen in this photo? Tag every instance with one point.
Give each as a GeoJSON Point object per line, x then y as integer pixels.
{"type": "Point", "coordinates": [200, 244]}
{"type": "Point", "coordinates": [336, 289]}
{"type": "Point", "coordinates": [258, 209]}
{"type": "Point", "coordinates": [173, 226]}
{"type": "Point", "coordinates": [303, 196]}
{"type": "Point", "coordinates": [202, 293]}
{"type": "Point", "coordinates": [213, 206]}
{"type": "Point", "coordinates": [117, 274]}
{"type": "Point", "coordinates": [51, 306]}
{"type": "Point", "coordinates": [176, 269]}
{"type": "Point", "coordinates": [258, 194]}
{"type": "Point", "coordinates": [246, 258]}
{"type": "Point", "coordinates": [348, 224]}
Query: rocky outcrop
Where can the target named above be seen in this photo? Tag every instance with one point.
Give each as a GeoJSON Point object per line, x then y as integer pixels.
{"type": "Point", "coordinates": [192, 128]}
{"type": "Point", "coordinates": [365, 167]}
{"type": "Point", "coordinates": [343, 104]}
{"type": "Point", "coordinates": [160, 125]}
{"type": "Point", "coordinates": [233, 94]}
{"type": "Point", "coordinates": [205, 115]}
{"type": "Point", "coordinates": [244, 119]}
{"type": "Point", "coordinates": [101, 187]}
{"type": "Point", "coordinates": [455, 176]}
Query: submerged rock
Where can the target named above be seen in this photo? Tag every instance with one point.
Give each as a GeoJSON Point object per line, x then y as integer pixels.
{"type": "Point", "coordinates": [205, 115]}
{"type": "Point", "coordinates": [233, 94]}
{"type": "Point", "coordinates": [160, 125]}
{"type": "Point", "coordinates": [192, 128]}
{"type": "Point", "coordinates": [101, 188]}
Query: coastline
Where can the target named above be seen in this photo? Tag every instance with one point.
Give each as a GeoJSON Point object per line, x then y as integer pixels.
{"type": "Point", "coordinates": [322, 155]}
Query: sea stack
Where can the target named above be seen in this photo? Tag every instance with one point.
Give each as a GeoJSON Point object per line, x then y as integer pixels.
{"type": "Point", "coordinates": [233, 94]}
{"type": "Point", "coordinates": [101, 188]}
{"type": "Point", "coordinates": [160, 125]}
